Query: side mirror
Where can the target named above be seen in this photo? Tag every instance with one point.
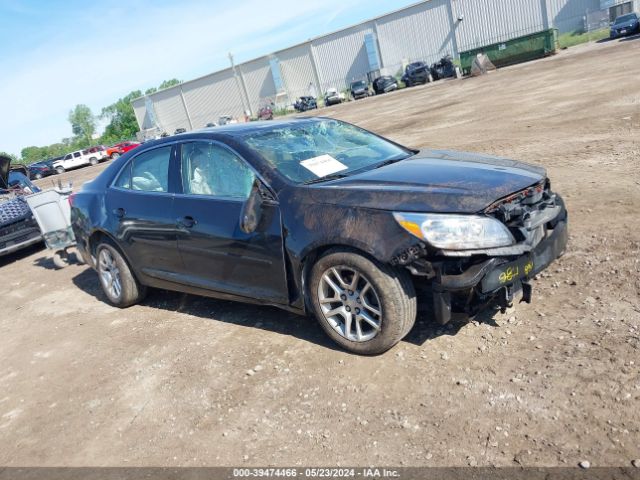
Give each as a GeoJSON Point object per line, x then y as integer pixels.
{"type": "Point", "coordinates": [251, 212]}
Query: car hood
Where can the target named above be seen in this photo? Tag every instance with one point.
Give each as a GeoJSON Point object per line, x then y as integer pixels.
{"type": "Point", "coordinates": [628, 24]}
{"type": "Point", "coordinates": [5, 163]}
{"type": "Point", "coordinates": [432, 181]}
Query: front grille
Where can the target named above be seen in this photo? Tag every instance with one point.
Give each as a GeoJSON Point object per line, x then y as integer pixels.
{"type": "Point", "coordinates": [526, 213]}
{"type": "Point", "coordinates": [22, 236]}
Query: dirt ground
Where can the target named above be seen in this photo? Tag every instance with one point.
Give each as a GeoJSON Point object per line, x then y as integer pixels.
{"type": "Point", "coordinates": [184, 380]}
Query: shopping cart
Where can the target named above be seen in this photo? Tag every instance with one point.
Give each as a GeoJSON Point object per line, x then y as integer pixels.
{"type": "Point", "coordinates": [52, 212]}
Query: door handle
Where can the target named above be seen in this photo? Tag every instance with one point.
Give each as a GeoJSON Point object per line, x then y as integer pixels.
{"type": "Point", "coordinates": [187, 221]}
{"type": "Point", "coordinates": [119, 212]}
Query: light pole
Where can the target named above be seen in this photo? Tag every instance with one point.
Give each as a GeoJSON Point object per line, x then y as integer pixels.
{"type": "Point", "coordinates": [241, 87]}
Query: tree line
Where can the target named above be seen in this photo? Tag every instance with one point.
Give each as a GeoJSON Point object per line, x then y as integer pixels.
{"type": "Point", "coordinates": [122, 126]}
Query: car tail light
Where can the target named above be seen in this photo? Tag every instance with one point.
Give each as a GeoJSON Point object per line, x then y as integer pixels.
{"type": "Point", "coordinates": [70, 199]}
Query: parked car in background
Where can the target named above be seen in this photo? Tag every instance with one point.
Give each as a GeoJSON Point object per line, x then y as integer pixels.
{"type": "Point", "coordinates": [265, 113]}
{"type": "Point", "coordinates": [211, 124]}
{"type": "Point", "coordinates": [42, 169]}
{"type": "Point", "coordinates": [18, 228]}
{"type": "Point", "coordinates": [119, 148]}
{"type": "Point", "coordinates": [332, 97]}
{"type": "Point", "coordinates": [385, 84]}
{"type": "Point", "coordinates": [443, 68]}
{"type": "Point", "coordinates": [625, 25]}
{"type": "Point", "coordinates": [226, 120]}
{"type": "Point", "coordinates": [416, 73]}
{"type": "Point", "coordinates": [315, 215]}
{"type": "Point", "coordinates": [99, 151]}
{"type": "Point", "coordinates": [79, 158]}
{"type": "Point", "coordinates": [179, 130]}
{"type": "Point", "coordinates": [359, 89]}
{"type": "Point", "coordinates": [305, 103]}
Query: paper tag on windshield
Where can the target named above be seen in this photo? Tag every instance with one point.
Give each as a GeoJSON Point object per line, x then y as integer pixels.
{"type": "Point", "coordinates": [323, 165]}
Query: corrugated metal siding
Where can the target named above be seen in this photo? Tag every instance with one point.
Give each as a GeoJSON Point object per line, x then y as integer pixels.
{"type": "Point", "coordinates": [259, 82]}
{"type": "Point", "coordinates": [170, 112]}
{"type": "Point", "coordinates": [342, 57]}
{"type": "Point", "coordinates": [422, 32]}
{"type": "Point", "coordinates": [491, 21]}
{"type": "Point", "coordinates": [425, 31]}
{"type": "Point", "coordinates": [296, 70]}
{"type": "Point", "coordinates": [568, 15]}
{"type": "Point", "coordinates": [140, 110]}
{"type": "Point", "coordinates": [209, 97]}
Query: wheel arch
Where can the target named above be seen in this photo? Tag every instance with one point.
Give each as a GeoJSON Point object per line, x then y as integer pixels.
{"type": "Point", "coordinates": [313, 253]}
{"type": "Point", "coordinates": [95, 239]}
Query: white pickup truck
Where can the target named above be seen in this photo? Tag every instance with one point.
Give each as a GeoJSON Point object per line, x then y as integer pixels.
{"type": "Point", "coordinates": [80, 158]}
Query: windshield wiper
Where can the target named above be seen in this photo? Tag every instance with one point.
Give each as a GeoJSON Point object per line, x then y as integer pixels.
{"type": "Point", "coordinates": [326, 178]}
{"type": "Point", "coordinates": [391, 160]}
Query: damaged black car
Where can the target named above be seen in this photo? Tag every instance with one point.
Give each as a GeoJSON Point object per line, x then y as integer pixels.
{"type": "Point", "coordinates": [319, 216]}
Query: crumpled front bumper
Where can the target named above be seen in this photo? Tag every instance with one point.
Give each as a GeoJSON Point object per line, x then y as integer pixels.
{"type": "Point", "coordinates": [497, 279]}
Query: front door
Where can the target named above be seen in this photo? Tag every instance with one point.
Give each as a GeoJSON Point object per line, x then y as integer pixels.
{"type": "Point", "coordinates": [216, 254]}
{"type": "Point", "coordinates": [139, 205]}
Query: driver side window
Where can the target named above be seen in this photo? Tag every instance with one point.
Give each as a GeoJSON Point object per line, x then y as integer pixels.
{"type": "Point", "coordinates": [210, 169]}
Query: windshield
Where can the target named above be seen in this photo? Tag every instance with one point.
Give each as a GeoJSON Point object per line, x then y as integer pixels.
{"type": "Point", "coordinates": [309, 151]}
{"type": "Point", "coordinates": [359, 84]}
{"type": "Point", "coordinates": [626, 18]}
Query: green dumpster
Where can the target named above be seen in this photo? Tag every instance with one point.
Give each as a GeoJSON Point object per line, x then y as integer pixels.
{"type": "Point", "coordinates": [516, 50]}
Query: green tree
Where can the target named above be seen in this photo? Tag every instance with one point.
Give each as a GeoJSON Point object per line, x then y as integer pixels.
{"type": "Point", "coordinates": [122, 119]}
{"type": "Point", "coordinates": [83, 124]}
{"type": "Point", "coordinates": [33, 154]}
{"type": "Point", "coordinates": [169, 83]}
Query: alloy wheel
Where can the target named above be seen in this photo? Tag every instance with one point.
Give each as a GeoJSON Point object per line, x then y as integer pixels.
{"type": "Point", "coordinates": [350, 303]}
{"type": "Point", "coordinates": [109, 273]}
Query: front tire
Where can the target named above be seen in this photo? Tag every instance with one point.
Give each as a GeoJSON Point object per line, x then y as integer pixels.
{"type": "Point", "coordinates": [37, 176]}
{"type": "Point", "coordinates": [364, 306]}
{"type": "Point", "coordinates": [117, 281]}
{"type": "Point", "coordinates": [115, 155]}
{"type": "Point", "coordinates": [60, 170]}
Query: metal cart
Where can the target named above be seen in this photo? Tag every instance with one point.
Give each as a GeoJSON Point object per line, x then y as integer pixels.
{"type": "Point", "coordinates": [52, 212]}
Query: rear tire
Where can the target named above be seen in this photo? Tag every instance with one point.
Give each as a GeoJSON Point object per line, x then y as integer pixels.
{"type": "Point", "coordinates": [37, 176]}
{"type": "Point", "coordinates": [367, 313]}
{"type": "Point", "coordinates": [93, 161]}
{"type": "Point", "coordinates": [116, 278]}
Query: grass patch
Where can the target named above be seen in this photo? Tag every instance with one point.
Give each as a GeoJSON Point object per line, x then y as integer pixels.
{"type": "Point", "coordinates": [571, 39]}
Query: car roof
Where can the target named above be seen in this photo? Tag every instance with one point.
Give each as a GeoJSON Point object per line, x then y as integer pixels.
{"type": "Point", "coordinates": [241, 129]}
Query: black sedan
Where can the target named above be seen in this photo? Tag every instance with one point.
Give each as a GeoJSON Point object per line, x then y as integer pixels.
{"type": "Point", "coordinates": [384, 84]}
{"type": "Point", "coordinates": [42, 169]}
{"type": "Point", "coordinates": [317, 215]}
{"type": "Point", "coordinates": [624, 25]}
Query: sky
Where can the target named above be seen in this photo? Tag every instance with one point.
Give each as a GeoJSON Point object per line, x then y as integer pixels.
{"type": "Point", "coordinates": [57, 54]}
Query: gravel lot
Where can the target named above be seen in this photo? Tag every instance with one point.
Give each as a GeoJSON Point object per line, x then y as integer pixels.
{"type": "Point", "coordinates": [184, 380]}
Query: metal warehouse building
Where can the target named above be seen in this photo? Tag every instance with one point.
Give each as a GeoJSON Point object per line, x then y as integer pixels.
{"type": "Point", "coordinates": [424, 31]}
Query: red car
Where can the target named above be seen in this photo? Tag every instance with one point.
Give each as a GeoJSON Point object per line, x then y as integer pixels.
{"type": "Point", "coordinates": [119, 148]}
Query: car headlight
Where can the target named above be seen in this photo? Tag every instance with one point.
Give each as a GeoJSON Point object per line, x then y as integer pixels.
{"type": "Point", "coordinates": [456, 232]}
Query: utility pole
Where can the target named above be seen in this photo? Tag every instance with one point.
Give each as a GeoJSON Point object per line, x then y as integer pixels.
{"type": "Point", "coordinates": [241, 88]}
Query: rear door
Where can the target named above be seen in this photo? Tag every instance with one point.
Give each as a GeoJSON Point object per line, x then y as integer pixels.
{"type": "Point", "coordinates": [139, 206]}
{"type": "Point", "coordinates": [216, 254]}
